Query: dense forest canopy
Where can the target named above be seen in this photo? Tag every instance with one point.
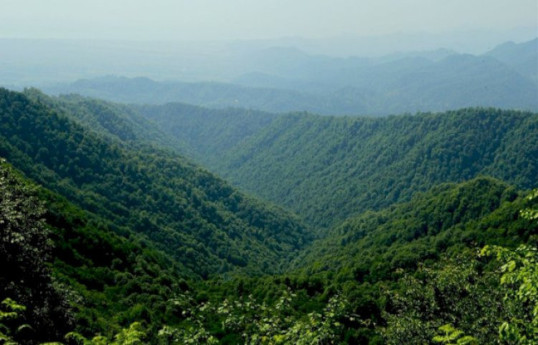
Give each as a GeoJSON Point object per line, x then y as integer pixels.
{"type": "Point", "coordinates": [406, 229]}
{"type": "Point", "coordinates": [329, 168]}
{"type": "Point", "coordinates": [181, 208]}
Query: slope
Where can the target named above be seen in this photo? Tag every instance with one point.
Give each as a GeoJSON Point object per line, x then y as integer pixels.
{"type": "Point", "coordinates": [410, 269]}
{"type": "Point", "coordinates": [522, 57]}
{"type": "Point", "coordinates": [373, 245]}
{"type": "Point", "coordinates": [71, 271]}
{"type": "Point", "coordinates": [114, 120]}
{"type": "Point", "coordinates": [192, 131]}
{"type": "Point", "coordinates": [393, 276]}
{"type": "Point", "coordinates": [183, 210]}
{"type": "Point", "coordinates": [201, 131]}
{"type": "Point", "coordinates": [328, 168]}
{"type": "Point", "coordinates": [357, 285]}
{"type": "Point", "coordinates": [222, 95]}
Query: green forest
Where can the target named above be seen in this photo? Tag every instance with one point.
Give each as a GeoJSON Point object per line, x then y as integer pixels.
{"type": "Point", "coordinates": [177, 224]}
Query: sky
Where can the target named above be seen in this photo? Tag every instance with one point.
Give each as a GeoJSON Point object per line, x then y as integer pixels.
{"type": "Point", "coordinates": [165, 20]}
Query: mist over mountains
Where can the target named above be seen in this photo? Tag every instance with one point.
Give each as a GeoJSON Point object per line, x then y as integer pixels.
{"type": "Point", "coordinates": [349, 190]}
{"type": "Point", "coordinates": [288, 79]}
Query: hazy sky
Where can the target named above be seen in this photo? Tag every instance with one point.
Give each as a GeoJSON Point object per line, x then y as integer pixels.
{"type": "Point", "coordinates": [253, 19]}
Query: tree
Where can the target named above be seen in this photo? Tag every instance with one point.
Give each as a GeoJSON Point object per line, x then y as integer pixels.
{"type": "Point", "coordinates": [520, 279]}
{"type": "Point", "coordinates": [24, 253]}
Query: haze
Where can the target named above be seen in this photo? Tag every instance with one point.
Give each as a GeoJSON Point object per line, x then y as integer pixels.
{"type": "Point", "coordinates": [246, 19]}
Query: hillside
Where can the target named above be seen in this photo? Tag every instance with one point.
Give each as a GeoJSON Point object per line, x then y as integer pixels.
{"type": "Point", "coordinates": [268, 172]}
{"type": "Point", "coordinates": [202, 131]}
{"type": "Point", "coordinates": [324, 168]}
{"type": "Point", "coordinates": [129, 242]}
{"type": "Point", "coordinates": [373, 245]}
{"type": "Point", "coordinates": [71, 271]}
{"type": "Point", "coordinates": [358, 285]}
{"type": "Point", "coordinates": [207, 94]}
{"type": "Point", "coordinates": [328, 168]}
{"type": "Point", "coordinates": [117, 122]}
{"type": "Point", "coordinates": [413, 267]}
{"type": "Point", "coordinates": [181, 209]}
{"type": "Point", "coordinates": [390, 277]}
{"type": "Point", "coordinates": [522, 57]}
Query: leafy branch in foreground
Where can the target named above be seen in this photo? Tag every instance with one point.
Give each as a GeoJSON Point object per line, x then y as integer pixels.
{"type": "Point", "coordinates": [256, 323]}
{"type": "Point", "coordinates": [10, 315]}
{"type": "Point", "coordinates": [520, 279]}
{"type": "Point", "coordinates": [453, 336]}
{"type": "Point", "coordinates": [25, 256]}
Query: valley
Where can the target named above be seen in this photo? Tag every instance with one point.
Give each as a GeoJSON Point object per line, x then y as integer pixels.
{"type": "Point", "coordinates": [269, 172]}
{"type": "Point", "coordinates": [330, 229]}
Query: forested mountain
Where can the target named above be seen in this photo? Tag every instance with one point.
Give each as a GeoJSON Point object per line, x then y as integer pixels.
{"type": "Point", "coordinates": [396, 276]}
{"type": "Point", "coordinates": [282, 79]}
{"type": "Point", "coordinates": [115, 121]}
{"type": "Point", "coordinates": [207, 94]}
{"type": "Point", "coordinates": [183, 210]}
{"type": "Point", "coordinates": [326, 168]}
{"type": "Point", "coordinates": [373, 245]}
{"type": "Point", "coordinates": [127, 242]}
{"type": "Point", "coordinates": [329, 168]}
{"type": "Point", "coordinates": [383, 277]}
{"type": "Point", "coordinates": [190, 130]}
{"type": "Point", "coordinates": [71, 271]}
{"type": "Point", "coordinates": [202, 132]}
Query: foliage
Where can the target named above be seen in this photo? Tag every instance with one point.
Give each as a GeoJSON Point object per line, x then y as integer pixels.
{"type": "Point", "coordinates": [134, 335]}
{"type": "Point", "coordinates": [179, 208]}
{"type": "Point", "coordinates": [428, 305]}
{"type": "Point", "coordinates": [258, 323]}
{"type": "Point", "coordinates": [452, 336]}
{"type": "Point", "coordinates": [520, 279]}
{"type": "Point", "coordinates": [25, 251]}
{"type": "Point", "coordinates": [530, 213]}
{"type": "Point", "coordinates": [112, 281]}
{"type": "Point", "coordinates": [9, 315]}
{"type": "Point", "coordinates": [133, 244]}
{"type": "Point", "coordinates": [372, 246]}
{"type": "Point", "coordinates": [327, 169]}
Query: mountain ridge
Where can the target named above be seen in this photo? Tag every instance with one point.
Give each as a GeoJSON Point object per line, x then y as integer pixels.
{"type": "Point", "coordinates": [156, 193]}
{"type": "Point", "coordinates": [284, 79]}
{"type": "Point", "coordinates": [150, 247]}
{"type": "Point", "coordinates": [304, 160]}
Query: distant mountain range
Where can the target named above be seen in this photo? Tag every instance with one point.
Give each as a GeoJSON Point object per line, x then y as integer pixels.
{"type": "Point", "coordinates": [287, 79]}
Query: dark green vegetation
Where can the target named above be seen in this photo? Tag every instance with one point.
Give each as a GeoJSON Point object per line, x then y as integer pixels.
{"type": "Point", "coordinates": [183, 210]}
{"type": "Point", "coordinates": [287, 79]}
{"type": "Point", "coordinates": [205, 134]}
{"type": "Point", "coordinates": [25, 251]}
{"type": "Point", "coordinates": [71, 271]}
{"type": "Point", "coordinates": [329, 168]}
{"type": "Point", "coordinates": [127, 239]}
{"type": "Point", "coordinates": [376, 244]}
